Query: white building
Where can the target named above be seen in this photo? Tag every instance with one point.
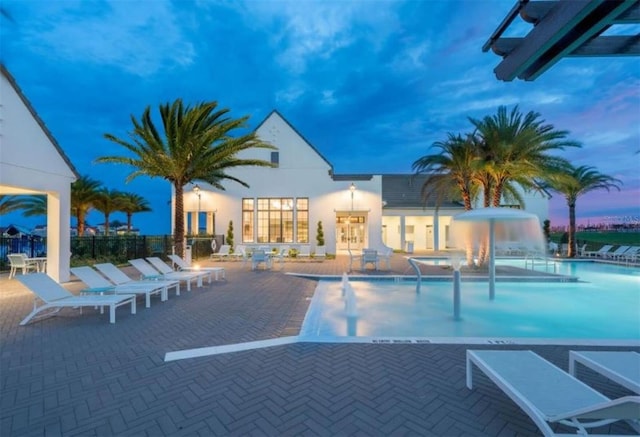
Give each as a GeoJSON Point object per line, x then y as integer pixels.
{"type": "Point", "coordinates": [284, 204]}
{"type": "Point", "coordinates": [32, 162]}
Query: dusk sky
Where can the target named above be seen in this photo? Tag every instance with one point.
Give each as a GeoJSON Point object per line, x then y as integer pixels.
{"type": "Point", "coordinates": [371, 84]}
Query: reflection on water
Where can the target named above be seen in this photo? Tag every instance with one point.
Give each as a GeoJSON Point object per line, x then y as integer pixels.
{"type": "Point", "coordinates": [603, 305]}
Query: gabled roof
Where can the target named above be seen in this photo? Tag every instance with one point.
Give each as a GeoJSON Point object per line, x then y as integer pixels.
{"type": "Point", "coordinates": [563, 28]}
{"type": "Point", "coordinates": [275, 111]}
{"type": "Point", "coordinates": [37, 118]}
{"type": "Point", "coordinates": [405, 191]}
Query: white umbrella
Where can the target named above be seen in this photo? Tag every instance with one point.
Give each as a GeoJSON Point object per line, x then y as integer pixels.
{"type": "Point", "coordinates": [471, 227]}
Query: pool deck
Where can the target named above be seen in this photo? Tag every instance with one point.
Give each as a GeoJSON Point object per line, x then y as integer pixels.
{"type": "Point", "coordinates": [76, 374]}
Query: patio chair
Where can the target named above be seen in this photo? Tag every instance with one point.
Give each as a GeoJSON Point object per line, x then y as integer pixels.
{"type": "Point", "coordinates": [547, 393]}
{"type": "Point", "coordinates": [600, 252]}
{"type": "Point", "coordinates": [385, 255]}
{"type": "Point", "coordinates": [182, 265]}
{"type": "Point", "coordinates": [118, 277]}
{"type": "Point", "coordinates": [55, 297]}
{"type": "Point", "coordinates": [622, 367]}
{"type": "Point", "coordinates": [98, 284]}
{"type": "Point", "coordinates": [223, 253]}
{"type": "Point", "coordinates": [282, 254]}
{"type": "Point", "coordinates": [320, 253]}
{"type": "Point", "coordinates": [21, 261]}
{"type": "Point", "coordinates": [260, 256]}
{"type": "Point", "coordinates": [369, 256]}
{"type": "Point", "coordinates": [352, 257]}
{"type": "Point", "coordinates": [166, 269]}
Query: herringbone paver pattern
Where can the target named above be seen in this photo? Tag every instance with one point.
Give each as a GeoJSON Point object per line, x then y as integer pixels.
{"type": "Point", "coordinates": [77, 375]}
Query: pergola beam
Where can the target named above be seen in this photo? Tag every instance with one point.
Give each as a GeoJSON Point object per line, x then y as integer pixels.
{"type": "Point", "coordinates": [562, 28]}
{"type": "Point", "coordinates": [601, 46]}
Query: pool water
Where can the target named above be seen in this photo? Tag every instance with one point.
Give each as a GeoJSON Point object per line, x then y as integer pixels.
{"type": "Point", "coordinates": [604, 304]}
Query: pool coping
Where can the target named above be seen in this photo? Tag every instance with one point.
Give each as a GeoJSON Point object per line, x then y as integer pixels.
{"type": "Point", "coordinates": [283, 341]}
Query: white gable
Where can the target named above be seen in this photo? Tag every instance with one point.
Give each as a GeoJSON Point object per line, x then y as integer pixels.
{"type": "Point", "coordinates": [27, 155]}
{"type": "Point", "coordinates": [293, 150]}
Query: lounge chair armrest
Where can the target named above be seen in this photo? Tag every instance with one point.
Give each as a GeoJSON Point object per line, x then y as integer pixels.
{"type": "Point", "coordinates": [626, 407]}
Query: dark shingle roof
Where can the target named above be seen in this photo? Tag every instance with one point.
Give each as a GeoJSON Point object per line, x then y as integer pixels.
{"type": "Point", "coordinates": [405, 191]}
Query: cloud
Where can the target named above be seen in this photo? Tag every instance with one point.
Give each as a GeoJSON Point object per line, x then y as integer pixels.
{"type": "Point", "coordinates": [140, 41]}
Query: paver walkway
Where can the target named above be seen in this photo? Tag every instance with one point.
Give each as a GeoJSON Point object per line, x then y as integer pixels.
{"type": "Point", "coordinates": [77, 375]}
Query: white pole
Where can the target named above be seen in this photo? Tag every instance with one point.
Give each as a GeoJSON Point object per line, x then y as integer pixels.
{"type": "Point", "coordinates": [492, 259]}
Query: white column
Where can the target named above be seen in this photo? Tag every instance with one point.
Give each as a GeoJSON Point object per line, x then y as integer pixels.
{"type": "Point", "coordinates": [403, 241]}
{"type": "Point", "coordinates": [58, 235]}
{"type": "Point", "coordinates": [436, 230]}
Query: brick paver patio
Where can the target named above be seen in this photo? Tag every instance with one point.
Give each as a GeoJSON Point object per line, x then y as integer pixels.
{"type": "Point", "coordinates": [78, 375]}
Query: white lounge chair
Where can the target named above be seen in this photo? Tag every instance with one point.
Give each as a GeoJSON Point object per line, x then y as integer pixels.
{"type": "Point", "coordinates": [600, 252]}
{"type": "Point", "coordinates": [20, 261]}
{"type": "Point", "coordinates": [55, 297]}
{"type": "Point", "coordinates": [622, 367]}
{"type": "Point", "coordinates": [148, 272]}
{"type": "Point", "coordinates": [182, 265]}
{"type": "Point", "coordinates": [259, 256]}
{"type": "Point", "coordinates": [548, 394]}
{"type": "Point", "coordinates": [166, 269]}
{"type": "Point", "coordinates": [118, 277]}
{"type": "Point", "coordinates": [98, 284]}
{"type": "Point", "coordinates": [616, 253]}
{"type": "Point", "coordinates": [223, 253]}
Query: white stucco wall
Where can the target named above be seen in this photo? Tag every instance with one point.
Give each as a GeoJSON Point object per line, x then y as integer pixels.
{"type": "Point", "coordinates": [31, 164]}
{"type": "Point", "coordinates": [302, 173]}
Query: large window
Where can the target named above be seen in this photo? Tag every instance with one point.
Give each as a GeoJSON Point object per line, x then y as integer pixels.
{"type": "Point", "coordinates": [276, 219]}
{"type": "Point", "coordinates": [302, 219]}
{"type": "Point", "coordinates": [247, 220]}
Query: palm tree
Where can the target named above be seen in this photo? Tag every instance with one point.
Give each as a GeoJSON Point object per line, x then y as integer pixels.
{"type": "Point", "coordinates": [83, 193]}
{"type": "Point", "coordinates": [196, 145]}
{"type": "Point", "coordinates": [33, 205]}
{"type": "Point", "coordinates": [516, 148]}
{"type": "Point", "coordinates": [452, 169]}
{"type": "Point", "coordinates": [9, 204]}
{"type": "Point", "coordinates": [573, 183]}
{"type": "Point", "coordinates": [107, 202]}
{"type": "Point", "coordinates": [453, 172]}
{"type": "Point", "coordinates": [131, 204]}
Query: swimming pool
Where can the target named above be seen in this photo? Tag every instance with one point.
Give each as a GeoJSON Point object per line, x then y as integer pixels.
{"type": "Point", "coordinates": [603, 305]}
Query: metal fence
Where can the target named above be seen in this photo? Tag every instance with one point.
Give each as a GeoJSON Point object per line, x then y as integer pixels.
{"type": "Point", "coordinates": [117, 249]}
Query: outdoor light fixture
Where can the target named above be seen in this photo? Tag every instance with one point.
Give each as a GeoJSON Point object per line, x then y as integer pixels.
{"type": "Point", "coordinates": [196, 190]}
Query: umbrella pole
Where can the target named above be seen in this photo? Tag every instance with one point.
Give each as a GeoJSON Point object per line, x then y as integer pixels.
{"type": "Point", "coordinates": [492, 259]}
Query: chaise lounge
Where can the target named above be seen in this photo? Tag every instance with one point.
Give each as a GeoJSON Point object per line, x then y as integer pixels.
{"type": "Point", "coordinates": [548, 394]}
{"type": "Point", "coordinates": [98, 284]}
{"type": "Point", "coordinates": [56, 297]}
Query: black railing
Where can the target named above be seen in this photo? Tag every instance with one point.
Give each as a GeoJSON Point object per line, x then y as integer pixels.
{"type": "Point", "coordinates": [117, 249]}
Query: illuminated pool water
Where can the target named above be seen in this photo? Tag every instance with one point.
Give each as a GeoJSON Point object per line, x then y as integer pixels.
{"type": "Point", "coordinates": [605, 304]}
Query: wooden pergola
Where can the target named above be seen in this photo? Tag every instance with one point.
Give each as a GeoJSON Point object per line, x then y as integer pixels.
{"type": "Point", "coordinates": [563, 28]}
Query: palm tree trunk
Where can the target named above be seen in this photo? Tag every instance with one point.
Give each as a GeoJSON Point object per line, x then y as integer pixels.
{"type": "Point", "coordinates": [80, 219]}
{"type": "Point", "coordinates": [497, 194]}
{"type": "Point", "coordinates": [178, 232]}
{"type": "Point", "coordinates": [572, 230]}
{"type": "Point", "coordinates": [129, 215]}
{"type": "Point", "coordinates": [106, 224]}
